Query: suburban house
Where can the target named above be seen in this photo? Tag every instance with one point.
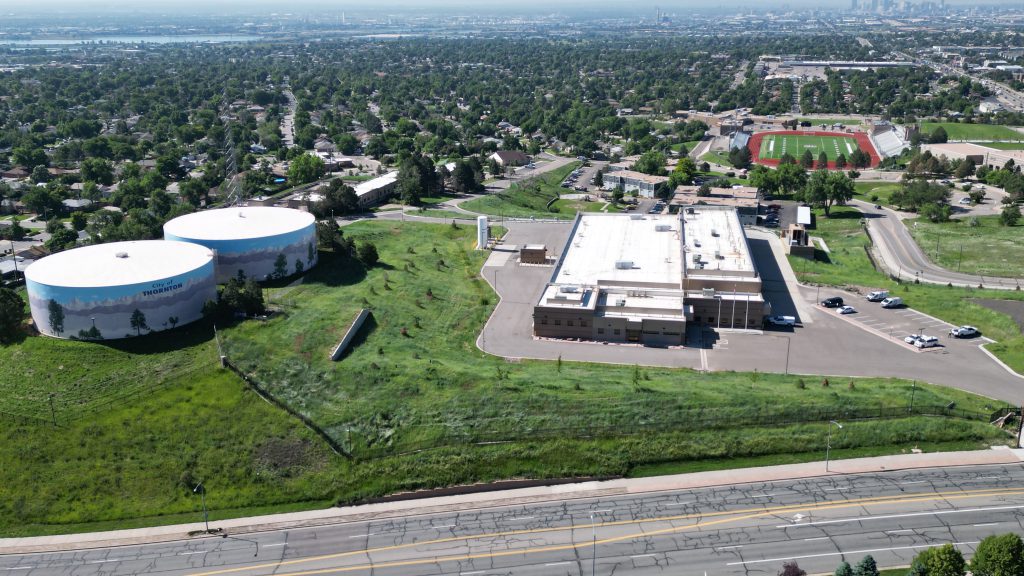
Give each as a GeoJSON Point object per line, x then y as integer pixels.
{"type": "Point", "coordinates": [510, 158]}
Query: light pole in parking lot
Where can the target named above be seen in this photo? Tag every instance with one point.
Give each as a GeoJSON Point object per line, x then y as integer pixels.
{"type": "Point", "coordinates": [828, 444]}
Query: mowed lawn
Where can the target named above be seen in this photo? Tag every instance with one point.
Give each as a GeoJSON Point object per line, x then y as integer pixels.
{"type": "Point", "coordinates": [774, 146]}
{"type": "Point", "coordinates": [987, 249]}
{"type": "Point", "coordinates": [876, 189]}
{"type": "Point", "coordinates": [973, 132]}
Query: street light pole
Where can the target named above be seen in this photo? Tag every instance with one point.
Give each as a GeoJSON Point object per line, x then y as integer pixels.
{"type": "Point", "coordinates": [593, 559]}
{"type": "Point", "coordinates": [828, 444]}
{"type": "Point", "coordinates": [206, 515]}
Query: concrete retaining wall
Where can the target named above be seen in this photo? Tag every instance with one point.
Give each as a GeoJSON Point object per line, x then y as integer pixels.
{"type": "Point", "coordinates": [350, 334]}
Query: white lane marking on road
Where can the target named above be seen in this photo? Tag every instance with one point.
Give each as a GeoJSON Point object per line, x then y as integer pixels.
{"type": "Point", "coordinates": [913, 482]}
{"type": "Point", "coordinates": [729, 547]}
{"type": "Point", "coordinates": [815, 539]}
{"type": "Point", "coordinates": [831, 489]}
{"type": "Point", "coordinates": [522, 518]}
{"type": "Point", "coordinates": [446, 526]}
{"type": "Point", "coordinates": [191, 553]}
{"type": "Point", "coordinates": [898, 531]}
{"type": "Point", "coordinates": [987, 524]}
{"type": "Point", "coordinates": [473, 572]}
{"type": "Point", "coordinates": [850, 552]}
{"type": "Point", "coordinates": [275, 545]}
{"type": "Point", "coordinates": [679, 503]}
{"type": "Point", "coordinates": [593, 512]}
{"type": "Point", "coordinates": [765, 495]}
{"type": "Point", "coordinates": [363, 535]}
{"type": "Point", "coordinates": [20, 568]}
{"type": "Point", "coordinates": [907, 515]}
{"type": "Point", "coordinates": [643, 556]}
{"type": "Point", "coordinates": [553, 564]}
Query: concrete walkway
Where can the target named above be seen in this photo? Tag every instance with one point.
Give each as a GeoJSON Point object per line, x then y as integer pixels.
{"type": "Point", "coordinates": [480, 500]}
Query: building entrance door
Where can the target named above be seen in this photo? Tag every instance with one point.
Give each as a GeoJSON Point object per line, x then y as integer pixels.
{"type": "Point", "coordinates": [632, 335]}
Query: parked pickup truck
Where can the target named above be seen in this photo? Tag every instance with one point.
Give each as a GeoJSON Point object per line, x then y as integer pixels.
{"type": "Point", "coordinates": [781, 320]}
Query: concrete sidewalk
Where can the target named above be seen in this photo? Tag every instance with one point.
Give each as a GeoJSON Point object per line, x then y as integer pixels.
{"type": "Point", "coordinates": [514, 497]}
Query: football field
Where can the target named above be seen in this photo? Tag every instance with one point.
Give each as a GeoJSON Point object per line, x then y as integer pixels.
{"type": "Point", "coordinates": [774, 146]}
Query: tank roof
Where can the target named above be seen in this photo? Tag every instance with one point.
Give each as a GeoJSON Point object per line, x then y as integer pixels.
{"type": "Point", "coordinates": [119, 264]}
{"type": "Point", "coordinates": [239, 223]}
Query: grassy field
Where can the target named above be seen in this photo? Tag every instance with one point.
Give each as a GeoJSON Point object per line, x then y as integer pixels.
{"type": "Point", "coordinates": [774, 146]}
{"type": "Point", "coordinates": [987, 249]}
{"type": "Point", "coordinates": [848, 265]}
{"type": "Point", "coordinates": [1004, 145]}
{"type": "Point", "coordinates": [396, 393]}
{"type": "Point", "coordinates": [973, 132]}
{"type": "Point", "coordinates": [883, 190]}
{"type": "Point", "coordinates": [527, 198]}
{"type": "Point", "coordinates": [567, 206]}
{"type": "Point", "coordinates": [438, 213]}
{"type": "Point", "coordinates": [414, 380]}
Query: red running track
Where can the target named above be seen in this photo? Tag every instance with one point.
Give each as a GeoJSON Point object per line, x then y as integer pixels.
{"type": "Point", "coordinates": [861, 138]}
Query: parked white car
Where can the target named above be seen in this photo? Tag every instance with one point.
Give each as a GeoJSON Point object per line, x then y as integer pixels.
{"type": "Point", "coordinates": [847, 310]}
{"type": "Point", "coordinates": [912, 338]}
{"type": "Point", "coordinates": [964, 332]}
{"type": "Point", "coordinates": [781, 320]}
{"type": "Point", "coordinates": [926, 341]}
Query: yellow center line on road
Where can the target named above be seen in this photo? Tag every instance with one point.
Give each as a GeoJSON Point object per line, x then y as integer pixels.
{"type": "Point", "coordinates": [729, 516]}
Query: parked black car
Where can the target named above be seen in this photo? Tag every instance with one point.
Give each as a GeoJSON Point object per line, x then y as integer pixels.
{"type": "Point", "coordinates": [833, 302]}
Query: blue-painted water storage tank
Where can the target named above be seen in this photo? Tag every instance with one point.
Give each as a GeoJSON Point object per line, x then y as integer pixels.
{"type": "Point", "coordinates": [263, 243]}
{"type": "Point", "coordinates": [121, 289]}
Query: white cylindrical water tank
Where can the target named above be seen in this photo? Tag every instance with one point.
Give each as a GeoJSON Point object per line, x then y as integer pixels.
{"type": "Point", "coordinates": [262, 243]}
{"type": "Point", "coordinates": [120, 289]}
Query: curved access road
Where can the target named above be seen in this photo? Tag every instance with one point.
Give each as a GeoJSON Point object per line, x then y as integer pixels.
{"type": "Point", "coordinates": [903, 258]}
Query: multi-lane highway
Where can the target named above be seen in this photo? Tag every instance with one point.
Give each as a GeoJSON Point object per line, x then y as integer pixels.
{"type": "Point", "coordinates": [745, 529]}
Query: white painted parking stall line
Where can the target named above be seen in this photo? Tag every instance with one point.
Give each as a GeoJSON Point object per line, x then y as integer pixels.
{"type": "Point", "coordinates": [678, 504]}
{"type": "Point", "coordinates": [557, 563]}
{"type": "Point", "coordinates": [729, 547]}
{"type": "Point", "coordinates": [275, 545]}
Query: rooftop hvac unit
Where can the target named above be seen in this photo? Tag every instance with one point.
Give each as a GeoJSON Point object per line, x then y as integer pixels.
{"type": "Point", "coordinates": [561, 296]}
{"type": "Point", "coordinates": [690, 211]}
{"type": "Point", "coordinates": [718, 255]}
{"type": "Point", "coordinates": [708, 292]}
{"type": "Point", "coordinates": [624, 264]}
{"type": "Point", "coordinates": [696, 258]}
{"type": "Point", "coordinates": [696, 243]}
{"type": "Point", "coordinates": [663, 228]}
{"type": "Point", "coordinates": [620, 302]}
{"type": "Point", "coordinates": [714, 232]}
{"type": "Point", "coordinates": [636, 216]}
{"type": "Point", "coordinates": [570, 289]}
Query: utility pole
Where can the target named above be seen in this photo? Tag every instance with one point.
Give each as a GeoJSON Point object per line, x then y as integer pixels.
{"type": "Point", "coordinates": [959, 258]}
{"type": "Point", "coordinates": [913, 392]}
{"type": "Point", "coordinates": [53, 411]}
{"type": "Point", "coordinates": [593, 559]}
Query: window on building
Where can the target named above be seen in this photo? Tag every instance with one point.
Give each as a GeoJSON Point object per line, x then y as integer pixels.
{"type": "Point", "coordinates": [600, 330]}
{"type": "Point", "coordinates": [558, 322]}
{"type": "Point", "coordinates": [617, 332]}
{"type": "Point", "coordinates": [569, 323]}
{"type": "Point", "coordinates": [583, 323]}
{"type": "Point", "coordinates": [543, 320]}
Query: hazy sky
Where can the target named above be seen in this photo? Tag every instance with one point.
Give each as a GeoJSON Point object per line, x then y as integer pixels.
{"type": "Point", "coordinates": [364, 6]}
